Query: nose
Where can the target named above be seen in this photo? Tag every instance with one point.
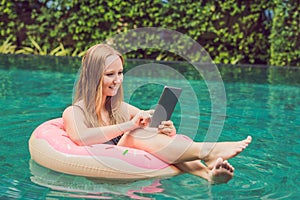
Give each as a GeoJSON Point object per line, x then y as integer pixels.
{"type": "Point", "coordinates": [118, 79]}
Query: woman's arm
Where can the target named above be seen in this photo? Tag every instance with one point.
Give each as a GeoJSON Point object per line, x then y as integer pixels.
{"type": "Point", "coordinates": [166, 127]}
{"type": "Point", "coordinates": [79, 133]}
{"type": "Point", "coordinates": [132, 110]}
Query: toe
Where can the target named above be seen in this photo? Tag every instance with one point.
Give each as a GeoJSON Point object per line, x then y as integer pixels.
{"type": "Point", "coordinates": [219, 163]}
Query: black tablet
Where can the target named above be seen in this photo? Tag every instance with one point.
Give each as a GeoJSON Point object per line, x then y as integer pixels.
{"type": "Point", "coordinates": [165, 106]}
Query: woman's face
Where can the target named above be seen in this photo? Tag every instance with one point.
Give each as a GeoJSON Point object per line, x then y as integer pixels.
{"type": "Point", "coordinates": [113, 76]}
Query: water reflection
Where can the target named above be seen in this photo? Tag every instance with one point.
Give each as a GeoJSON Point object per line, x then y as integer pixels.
{"type": "Point", "coordinates": [64, 185]}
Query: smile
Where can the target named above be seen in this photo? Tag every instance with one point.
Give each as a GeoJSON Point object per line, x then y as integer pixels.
{"type": "Point", "coordinates": [114, 87]}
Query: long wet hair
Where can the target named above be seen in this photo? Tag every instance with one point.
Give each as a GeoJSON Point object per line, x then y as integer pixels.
{"type": "Point", "coordinates": [89, 87]}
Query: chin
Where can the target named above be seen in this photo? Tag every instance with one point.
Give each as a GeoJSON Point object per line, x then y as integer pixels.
{"type": "Point", "coordinates": [112, 94]}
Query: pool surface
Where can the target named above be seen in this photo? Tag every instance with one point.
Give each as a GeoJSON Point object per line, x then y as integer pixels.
{"type": "Point", "coordinates": [263, 102]}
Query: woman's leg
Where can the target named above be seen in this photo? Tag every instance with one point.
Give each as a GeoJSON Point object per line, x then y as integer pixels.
{"type": "Point", "coordinates": [222, 171]}
{"type": "Point", "coordinates": [180, 149]}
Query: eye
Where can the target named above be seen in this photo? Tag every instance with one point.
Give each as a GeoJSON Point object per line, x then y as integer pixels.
{"type": "Point", "coordinates": [109, 74]}
{"type": "Point", "coordinates": [121, 72]}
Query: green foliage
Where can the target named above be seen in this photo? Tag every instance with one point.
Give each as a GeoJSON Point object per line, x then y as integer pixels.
{"type": "Point", "coordinates": [7, 15]}
{"type": "Point", "coordinates": [285, 36]}
{"type": "Point", "coordinates": [232, 31]}
{"type": "Point", "coordinates": [7, 47]}
{"type": "Point", "coordinates": [57, 51]}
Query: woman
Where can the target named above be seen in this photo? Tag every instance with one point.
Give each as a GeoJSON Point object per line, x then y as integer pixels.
{"type": "Point", "coordinates": [99, 115]}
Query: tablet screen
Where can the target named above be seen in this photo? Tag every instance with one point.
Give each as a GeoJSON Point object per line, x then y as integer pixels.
{"type": "Point", "coordinates": [165, 106]}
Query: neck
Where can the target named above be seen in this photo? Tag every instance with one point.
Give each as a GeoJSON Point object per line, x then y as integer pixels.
{"type": "Point", "coordinates": [103, 103]}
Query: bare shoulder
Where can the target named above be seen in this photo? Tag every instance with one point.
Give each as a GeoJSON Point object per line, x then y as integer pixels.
{"type": "Point", "coordinates": [68, 110]}
{"type": "Point", "coordinates": [71, 111]}
{"type": "Point", "coordinates": [74, 119]}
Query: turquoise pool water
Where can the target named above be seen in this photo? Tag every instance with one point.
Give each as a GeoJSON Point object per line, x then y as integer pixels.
{"type": "Point", "coordinates": [262, 102]}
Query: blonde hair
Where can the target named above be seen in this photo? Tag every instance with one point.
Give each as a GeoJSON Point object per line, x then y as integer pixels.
{"type": "Point", "coordinates": [89, 87]}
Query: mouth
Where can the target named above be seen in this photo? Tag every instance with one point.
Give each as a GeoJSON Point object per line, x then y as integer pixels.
{"type": "Point", "coordinates": [113, 87]}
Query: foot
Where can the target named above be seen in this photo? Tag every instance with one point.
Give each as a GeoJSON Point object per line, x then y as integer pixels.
{"type": "Point", "coordinates": [222, 172]}
{"type": "Point", "coordinates": [224, 150]}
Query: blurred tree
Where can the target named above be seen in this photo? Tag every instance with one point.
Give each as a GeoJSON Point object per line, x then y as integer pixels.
{"type": "Point", "coordinates": [232, 31]}
{"type": "Point", "coordinates": [285, 35]}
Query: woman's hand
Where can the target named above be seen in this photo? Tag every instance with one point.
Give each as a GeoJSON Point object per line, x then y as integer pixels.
{"type": "Point", "coordinates": [142, 118]}
{"type": "Point", "coordinates": [167, 128]}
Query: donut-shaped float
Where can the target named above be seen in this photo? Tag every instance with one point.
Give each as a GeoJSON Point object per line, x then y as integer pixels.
{"type": "Point", "coordinates": [50, 146]}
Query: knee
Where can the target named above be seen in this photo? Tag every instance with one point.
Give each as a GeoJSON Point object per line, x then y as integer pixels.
{"type": "Point", "coordinates": [140, 139]}
{"type": "Point", "coordinates": [126, 141]}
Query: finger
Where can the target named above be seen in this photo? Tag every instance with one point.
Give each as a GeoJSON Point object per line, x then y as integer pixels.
{"type": "Point", "coordinates": [145, 115]}
{"type": "Point", "coordinates": [145, 119]}
{"type": "Point", "coordinates": [160, 126]}
{"type": "Point", "coordinates": [167, 130]}
{"type": "Point", "coordinates": [150, 112]}
{"type": "Point", "coordinates": [167, 123]}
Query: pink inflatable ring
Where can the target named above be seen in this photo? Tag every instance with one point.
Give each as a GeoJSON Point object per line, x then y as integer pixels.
{"type": "Point", "coordinates": [50, 146]}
